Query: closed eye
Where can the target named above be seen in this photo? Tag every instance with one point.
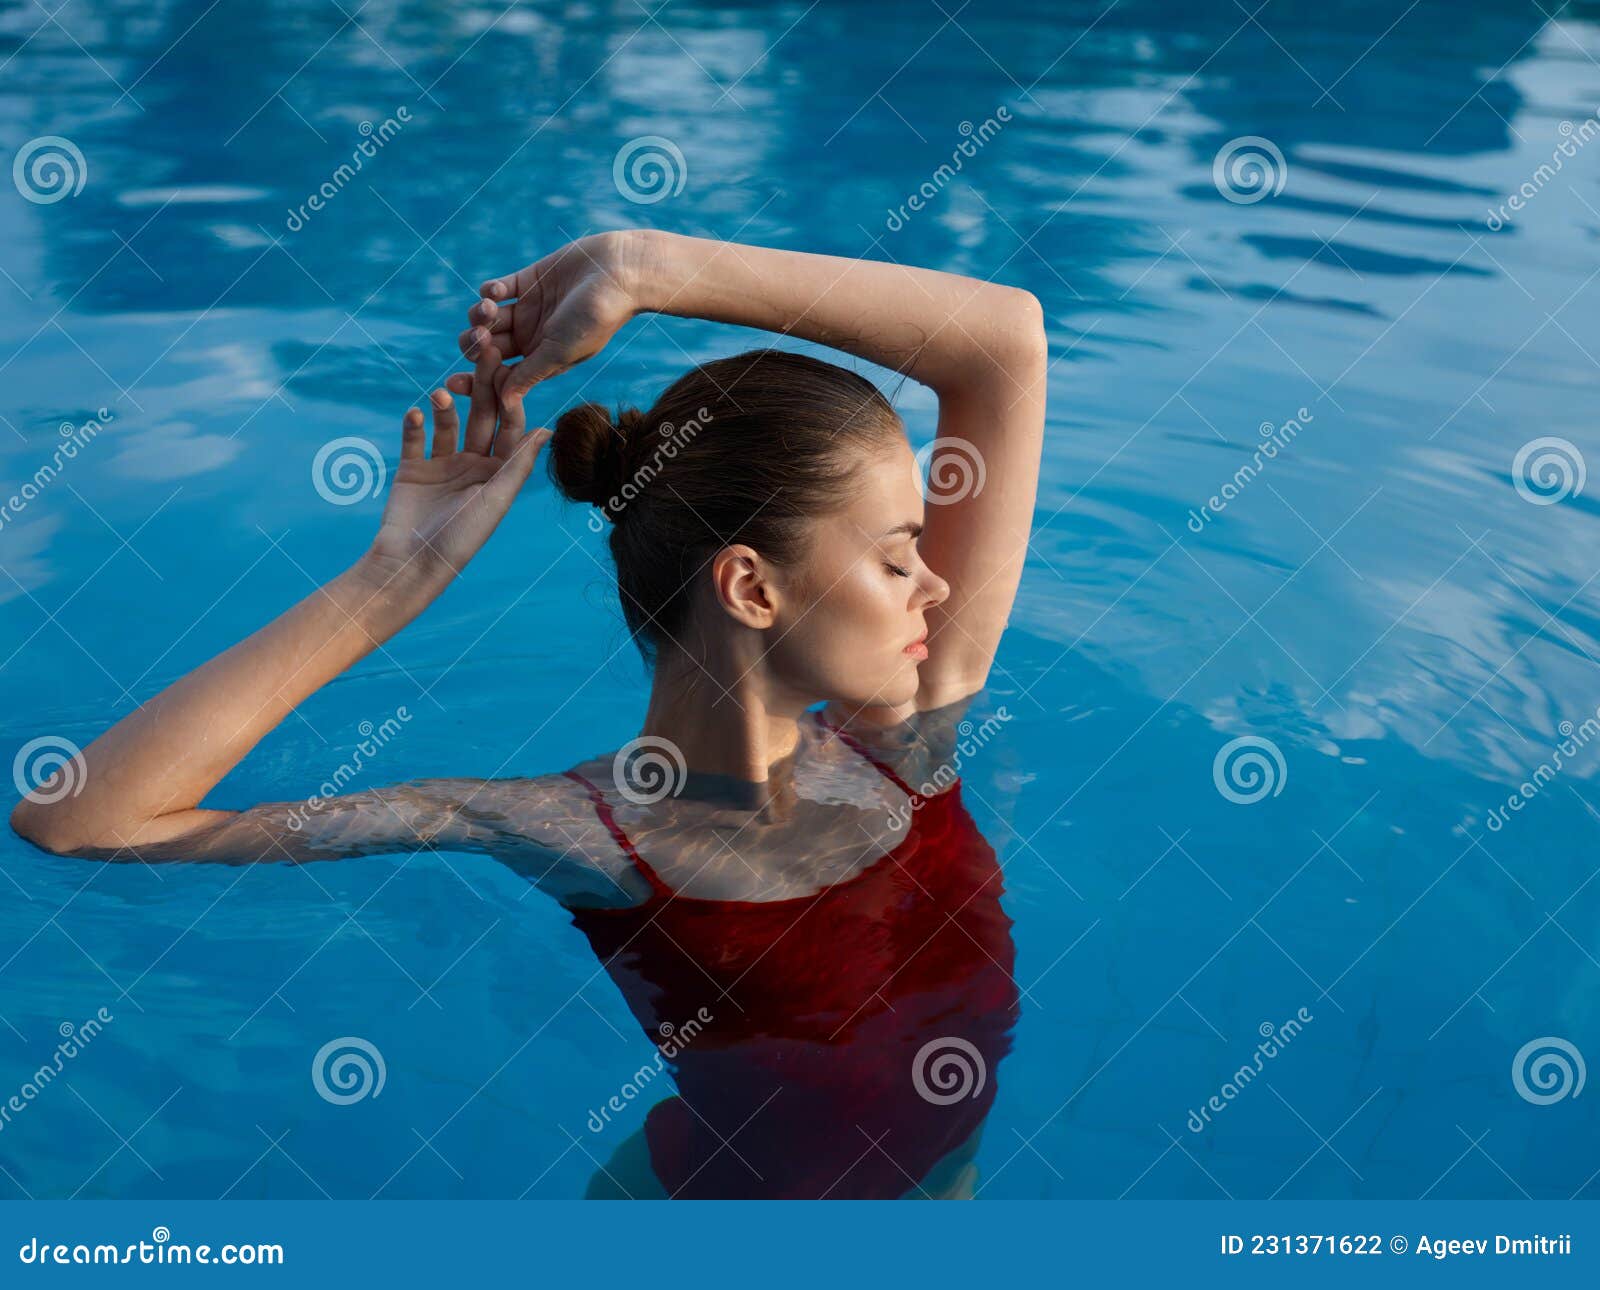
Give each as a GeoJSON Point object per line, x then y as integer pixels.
{"type": "Point", "coordinates": [897, 570]}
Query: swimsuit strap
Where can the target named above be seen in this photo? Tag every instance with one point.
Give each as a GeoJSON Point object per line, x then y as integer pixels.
{"type": "Point", "coordinates": [855, 743]}
{"type": "Point", "coordinates": [603, 810]}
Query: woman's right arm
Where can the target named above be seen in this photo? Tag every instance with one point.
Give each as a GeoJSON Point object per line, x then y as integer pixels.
{"type": "Point", "coordinates": [141, 783]}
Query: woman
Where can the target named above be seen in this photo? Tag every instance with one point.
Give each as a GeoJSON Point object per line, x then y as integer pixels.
{"type": "Point", "coordinates": [818, 949]}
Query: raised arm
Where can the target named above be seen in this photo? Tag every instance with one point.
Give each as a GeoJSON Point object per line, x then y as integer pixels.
{"type": "Point", "coordinates": [143, 780]}
{"type": "Point", "coordinates": [979, 346]}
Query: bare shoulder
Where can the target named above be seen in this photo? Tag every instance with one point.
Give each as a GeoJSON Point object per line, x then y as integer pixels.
{"type": "Point", "coordinates": [926, 747]}
{"type": "Point", "coordinates": [549, 830]}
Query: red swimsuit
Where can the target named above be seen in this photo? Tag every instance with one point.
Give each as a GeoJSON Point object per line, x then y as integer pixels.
{"type": "Point", "coordinates": [806, 1081]}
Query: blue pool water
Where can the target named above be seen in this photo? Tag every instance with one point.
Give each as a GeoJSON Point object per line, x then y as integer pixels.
{"type": "Point", "coordinates": [1379, 600]}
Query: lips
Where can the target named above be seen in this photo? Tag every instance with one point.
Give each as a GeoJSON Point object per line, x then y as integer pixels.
{"type": "Point", "coordinates": [918, 648]}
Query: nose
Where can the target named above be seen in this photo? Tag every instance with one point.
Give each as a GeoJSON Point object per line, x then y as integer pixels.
{"type": "Point", "coordinates": [935, 590]}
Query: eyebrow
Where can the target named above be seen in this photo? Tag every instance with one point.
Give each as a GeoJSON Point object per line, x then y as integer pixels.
{"type": "Point", "coordinates": [909, 527]}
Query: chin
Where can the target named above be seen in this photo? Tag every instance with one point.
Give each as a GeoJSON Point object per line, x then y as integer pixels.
{"type": "Point", "coordinates": [901, 687]}
{"type": "Point", "coordinates": [889, 689]}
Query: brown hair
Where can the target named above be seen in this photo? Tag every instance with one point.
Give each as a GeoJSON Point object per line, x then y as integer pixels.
{"type": "Point", "coordinates": [747, 449]}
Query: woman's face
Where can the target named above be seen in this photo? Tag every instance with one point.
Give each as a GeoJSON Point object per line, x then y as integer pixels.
{"type": "Point", "coordinates": [851, 627]}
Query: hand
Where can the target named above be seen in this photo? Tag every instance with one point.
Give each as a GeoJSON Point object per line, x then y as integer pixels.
{"type": "Point", "coordinates": [566, 307]}
{"type": "Point", "coordinates": [442, 508]}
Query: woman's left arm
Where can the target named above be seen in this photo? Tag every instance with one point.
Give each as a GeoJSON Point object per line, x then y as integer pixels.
{"type": "Point", "coordinates": [978, 345]}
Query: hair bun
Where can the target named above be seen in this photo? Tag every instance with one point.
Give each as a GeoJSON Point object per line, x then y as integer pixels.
{"type": "Point", "coordinates": [588, 452]}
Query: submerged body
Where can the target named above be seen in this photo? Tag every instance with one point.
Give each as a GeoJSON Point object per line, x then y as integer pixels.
{"type": "Point", "coordinates": [836, 1044]}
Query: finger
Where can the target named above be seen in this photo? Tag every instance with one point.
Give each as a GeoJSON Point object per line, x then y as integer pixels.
{"type": "Point", "coordinates": [468, 345]}
{"type": "Point", "coordinates": [506, 288]}
{"type": "Point", "coordinates": [541, 365]}
{"type": "Point", "coordinates": [513, 423]}
{"type": "Point", "coordinates": [481, 411]}
{"type": "Point", "coordinates": [411, 435]}
{"type": "Point", "coordinates": [445, 423]}
{"type": "Point", "coordinates": [460, 383]}
{"type": "Point", "coordinates": [523, 280]}
{"type": "Point", "coordinates": [519, 464]}
{"type": "Point", "coordinates": [497, 318]}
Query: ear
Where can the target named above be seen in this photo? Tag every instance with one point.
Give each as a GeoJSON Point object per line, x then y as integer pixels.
{"type": "Point", "coordinates": [745, 587]}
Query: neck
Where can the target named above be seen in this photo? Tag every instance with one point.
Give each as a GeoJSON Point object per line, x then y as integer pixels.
{"type": "Point", "coordinates": [726, 719]}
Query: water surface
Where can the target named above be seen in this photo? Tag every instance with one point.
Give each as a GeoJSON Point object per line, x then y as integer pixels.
{"type": "Point", "coordinates": [1379, 601]}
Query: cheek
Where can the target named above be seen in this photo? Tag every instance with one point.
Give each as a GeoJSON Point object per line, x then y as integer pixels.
{"type": "Point", "coordinates": [862, 610]}
{"type": "Point", "coordinates": [855, 624]}
{"type": "Point", "coordinates": [845, 645]}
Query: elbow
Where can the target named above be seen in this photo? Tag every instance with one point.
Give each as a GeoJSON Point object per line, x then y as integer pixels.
{"type": "Point", "coordinates": [1025, 329]}
{"type": "Point", "coordinates": [38, 824]}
